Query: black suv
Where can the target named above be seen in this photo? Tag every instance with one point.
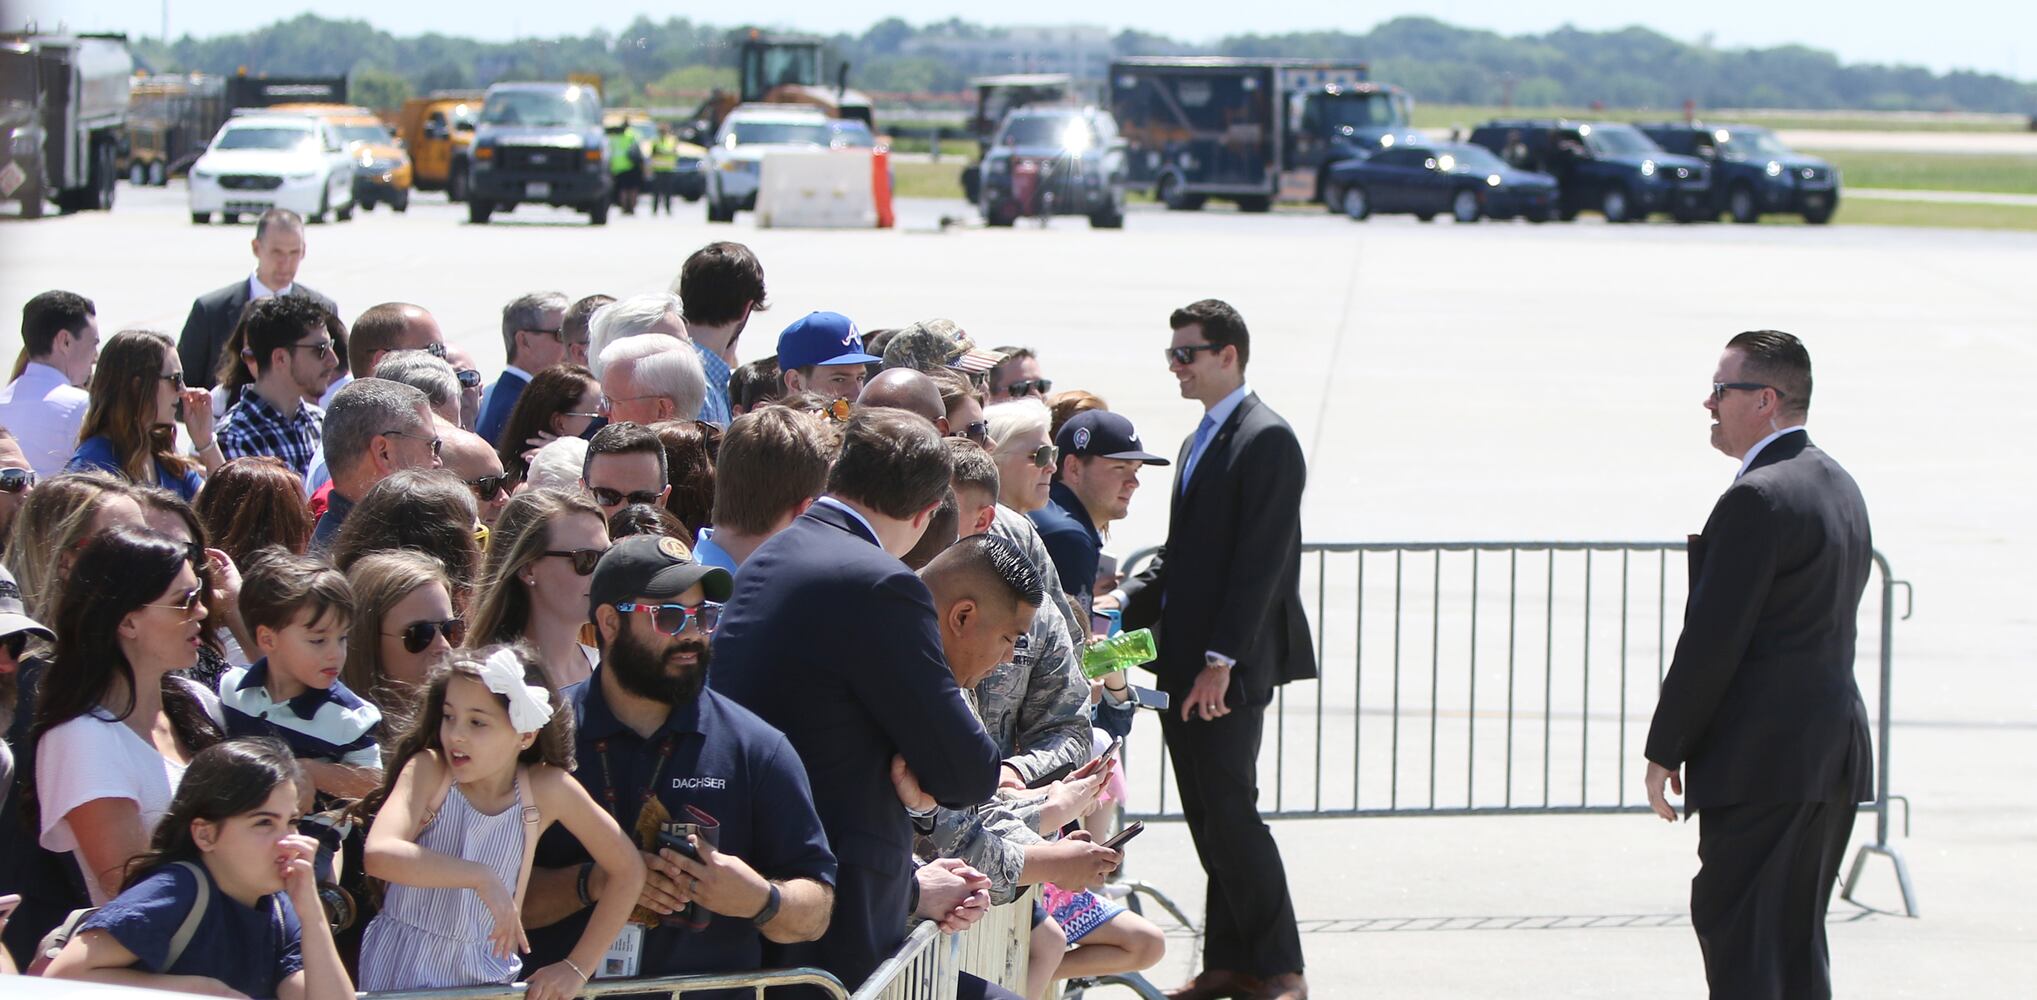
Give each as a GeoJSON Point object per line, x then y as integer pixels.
{"type": "Point", "coordinates": [541, 143]}
{"type": "Point", "coordinates": [1055, 161]}
{"type": "Point", "coordinates": [1607, 167]}
{"type": "Point", "coordinates": [1753, 172]}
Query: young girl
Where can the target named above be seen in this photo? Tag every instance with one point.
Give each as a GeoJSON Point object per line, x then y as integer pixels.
{"type": "Point", "coordinates": [225, 902]}
{"type": "Point", "coordinates": [485, 768]}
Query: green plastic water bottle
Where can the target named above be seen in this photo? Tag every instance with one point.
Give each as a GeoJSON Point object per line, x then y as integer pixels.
{"type": "Point", "coordinates": [1126, 649]}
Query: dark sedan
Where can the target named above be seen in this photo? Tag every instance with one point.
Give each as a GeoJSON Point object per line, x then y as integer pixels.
{"type": "Point", "coordinates": [1464, 181]}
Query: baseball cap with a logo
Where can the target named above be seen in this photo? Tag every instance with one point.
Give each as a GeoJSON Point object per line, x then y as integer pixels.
{"type": "Point", "coordinates": [13, 613]}
{"type": "Point", "coordinates": [821, 338]}
{"type": "Point", "coordinates": [1103, 434]}
{"type": "Point", "coordinates": [655, 567]}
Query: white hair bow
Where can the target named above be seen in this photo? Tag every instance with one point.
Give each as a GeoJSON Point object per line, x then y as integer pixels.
{"type": "Point", "coordinates": [530, 706]}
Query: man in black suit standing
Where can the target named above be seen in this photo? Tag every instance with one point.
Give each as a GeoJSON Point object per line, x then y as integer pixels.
{"type": "Point", "coordinates": [833, 641]}
{"type": "Point", "coordinates": [279, 249]}
{"type": "Point", "coordinates": [1760, 702]}
{"type": "Point", "coordinates": [1225, 599]}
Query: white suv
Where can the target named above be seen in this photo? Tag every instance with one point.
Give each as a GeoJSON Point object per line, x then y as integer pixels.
{"type": "Point", "coordinates": [263, 161]}
{"type": "Point", "coordinates": [735, 162]}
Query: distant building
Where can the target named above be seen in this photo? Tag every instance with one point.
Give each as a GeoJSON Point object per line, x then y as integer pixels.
{"type": "Point", "coordinates": [1081, 51]}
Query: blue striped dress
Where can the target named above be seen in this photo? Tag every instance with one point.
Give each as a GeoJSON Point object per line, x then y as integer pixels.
{"type": "Point", "coordinates": [435, 938]}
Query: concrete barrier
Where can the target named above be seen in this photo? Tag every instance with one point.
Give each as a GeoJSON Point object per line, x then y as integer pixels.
{"type": "Point", "coordinates": [829, 190]}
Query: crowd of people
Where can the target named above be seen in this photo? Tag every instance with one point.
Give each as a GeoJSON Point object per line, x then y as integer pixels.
{"type": "Point", "coordinates": [329, 663]}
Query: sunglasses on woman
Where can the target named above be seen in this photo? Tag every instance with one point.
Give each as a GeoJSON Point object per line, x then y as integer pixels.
{"type": "Point", "coordinates": [673, 619]}
{"type": "Point", "coordinates": [417, 636]}
{"type": "Point", "coordinates": [1044, 456]}
{"type": "Point", "coordinates": [486, 487]}
{"type": "Point", "coordinates": [584, 560]}
{"type": "Point", "coordinates": [185, 604]}
{"type": "Point", "coordinates": [17, 480]}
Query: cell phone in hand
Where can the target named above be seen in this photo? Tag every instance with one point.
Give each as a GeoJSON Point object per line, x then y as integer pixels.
{"type": "Point", "coordinates": [676, 840]}
{"type": "Point", "coordinates": [1102, 760]}
{"type": "Point", "coordinates": [1125, 836]}
{"type": "Point", "coordinates": [7, 905]}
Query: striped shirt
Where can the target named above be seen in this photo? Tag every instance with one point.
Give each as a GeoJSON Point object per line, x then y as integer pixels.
{"type": "Point", "coordinates": [253, 427]}
{"type": "Point", "coordinates": [330, 724]}
{"type": "Point", "coordinates": [438, 938]}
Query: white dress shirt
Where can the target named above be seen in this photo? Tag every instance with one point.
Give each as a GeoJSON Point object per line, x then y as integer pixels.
{"type": "Point", "coordinates": [257, 290]}
{"type": "Point", "coordinates": [44, 410]}
{"type": "Point", "coordinates": [1763, 443]}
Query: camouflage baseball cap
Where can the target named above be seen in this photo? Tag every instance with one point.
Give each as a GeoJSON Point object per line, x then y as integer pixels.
{"type": "Point", "coordinates": [938, 343]}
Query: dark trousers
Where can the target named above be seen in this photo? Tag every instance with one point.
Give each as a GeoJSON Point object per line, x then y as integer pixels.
{"type": "Point", "coordinates": [1758, 901]}
{"type": "Point", "coordinates": [1248, 917]}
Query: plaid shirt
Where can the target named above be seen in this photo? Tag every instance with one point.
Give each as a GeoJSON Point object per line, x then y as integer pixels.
{"type": "Point", "coordinates": [253, 427]}
{"type": "Point", "coordinates": [715, 408]}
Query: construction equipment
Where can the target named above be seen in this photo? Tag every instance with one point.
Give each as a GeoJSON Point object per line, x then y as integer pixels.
{"type": "Point", "coordinates": [779, 69]}
{"type": "Point", "coordinates": [437, 130]}
{"type": "Point", "coordinates": [63, 103]}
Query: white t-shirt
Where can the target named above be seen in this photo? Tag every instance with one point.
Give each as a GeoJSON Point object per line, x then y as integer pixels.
{"type": "Point", "coordinates": [96, 756]}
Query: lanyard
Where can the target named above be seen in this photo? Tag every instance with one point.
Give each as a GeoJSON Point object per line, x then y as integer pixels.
{"type": "Point", "coordinates": [608, 792]}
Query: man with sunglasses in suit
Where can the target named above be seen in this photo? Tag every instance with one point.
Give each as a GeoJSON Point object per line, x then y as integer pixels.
{"type": "Point", "coordinates": [1224, 599]}
{"type": "Point", "coordinates": [1760, 701]}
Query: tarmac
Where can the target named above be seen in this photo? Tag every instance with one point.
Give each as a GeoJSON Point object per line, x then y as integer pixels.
{"type": "Point", "coordinates": [1493, 381]}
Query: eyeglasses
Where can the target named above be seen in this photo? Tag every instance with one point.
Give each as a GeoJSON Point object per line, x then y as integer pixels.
{"type": "Point", "coordinates": [469, 378]}
{"type": "Point", "coordinates": [17, 480]}
{"type": "Point", "coordinates": [189, 602]}
{"type": "Point", "coordinates": [174, 378]}
{"type": "Point", "coordinates": [417, 636]}
{"type": "Point", "coordinates": [558, 332]}
{"type": "Point", "coordinates": [319, 347]}
{"type": "Point", "coordinates": [978, 432]}
{"type": "Point", "coordinates": [436, 444]}
{"type": "Point", "coordinates": [673, 619]}
{"type": "Point", "coordinates": [436, 350]}
{"type": "Point", "coordinates": [1044, 456]}
{"type": "Point", "coordinates": [576, 413]}
{"type": "Point", "coordinates": [1719, 388]}
{"type": "Point", "coordinates": [485, 487]}
{"type": "Point", "coordinates": [608, 405]}
{"type": "Point", "coordinates": [584, 560]}
{"type": "Point", "coordinates": [615, 498]}
{"type": "Point", "coordinates": [1030, 386]}
{"type": "Point", "coordinates": [1185, 354]}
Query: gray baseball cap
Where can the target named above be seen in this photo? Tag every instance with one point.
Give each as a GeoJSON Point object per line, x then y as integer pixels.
{"type": "Point", "coordinates": [14, 614]}
{"type": "Point", "coordinates": [936, 343]}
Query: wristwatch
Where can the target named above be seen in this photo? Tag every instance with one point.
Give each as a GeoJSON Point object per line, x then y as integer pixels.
{"type": "Point", "coordinates": [770, 907]}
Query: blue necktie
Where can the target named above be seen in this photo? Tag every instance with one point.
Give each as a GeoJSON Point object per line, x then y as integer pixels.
{"type": "Point", "coordinates": [1202, 433]}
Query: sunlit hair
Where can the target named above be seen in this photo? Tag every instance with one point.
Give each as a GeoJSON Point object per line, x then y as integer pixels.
{"type": "Point", "coordinates": [49, 529]}
{"type": "Point", "coordinates": [522, 535]}
{"type": "Point", "coordinates": [429, 510]}
{"type": "Point", "coordinates": [123, 407]}
{"type": "Point", "coordinates": [251, 503]}
{"type": "Point", "coordinates": [690, 447]}
{"type": "Point", "coordinates": [551, 392]}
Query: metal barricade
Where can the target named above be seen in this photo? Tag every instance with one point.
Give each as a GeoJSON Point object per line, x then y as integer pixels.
{"type": "Point", "coordinates": [669, 986]}
{"type": "Point", "coordinates": [1475, 678]}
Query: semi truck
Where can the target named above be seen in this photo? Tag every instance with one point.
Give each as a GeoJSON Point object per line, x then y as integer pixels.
{"type": "Point", "coordinates": [1253, 131]}
{"type": "Point", "coordinates": [63, 105]}
{"type": "Point", "coordinates": [170, 119]}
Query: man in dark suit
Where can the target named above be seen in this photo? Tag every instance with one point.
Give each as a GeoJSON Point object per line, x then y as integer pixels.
{"type": "Point", "coordinates": [833, 641]}
{"type": "Point", "coordinates": [1760, 702]}
{"type": "Point", "coordinates": [1224, 597]}
{"type": "Point", "coordinates": [279, 249]}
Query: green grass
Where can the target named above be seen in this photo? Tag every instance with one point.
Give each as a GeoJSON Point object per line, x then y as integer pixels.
{"type": "Point", "coordinates": [1443, 117]}
{"type": "Point", "coordinates": [1994, 173]}
{"type": "Point", "coordinates": [928, 180]}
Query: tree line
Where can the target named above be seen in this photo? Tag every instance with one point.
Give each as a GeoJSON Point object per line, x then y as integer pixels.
{"type": "Point", "coordinates": [651, 62]}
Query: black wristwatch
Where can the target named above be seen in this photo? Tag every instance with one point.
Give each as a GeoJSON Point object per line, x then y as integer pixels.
{"type": "Point", "coordinates": [770, 907]}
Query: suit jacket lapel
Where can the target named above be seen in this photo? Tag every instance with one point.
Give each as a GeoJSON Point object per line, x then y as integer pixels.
{"type": "Point", "coordinates": [1219, 445]}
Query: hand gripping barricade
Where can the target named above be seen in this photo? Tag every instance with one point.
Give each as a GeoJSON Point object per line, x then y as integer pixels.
{"type": "Point", "coordinates": [1501, 678]}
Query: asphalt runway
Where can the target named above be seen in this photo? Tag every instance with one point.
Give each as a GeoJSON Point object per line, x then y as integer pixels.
{"type": "Point", "coordinates": [1498, 381]}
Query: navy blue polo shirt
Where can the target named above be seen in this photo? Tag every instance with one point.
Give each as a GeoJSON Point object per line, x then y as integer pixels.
{"type": "Point", "coordinates": [722, 760]}
{"type": "Point", "coordinates": [251, 949]}
{"type": "Point", "coordinates": [1074, 543]}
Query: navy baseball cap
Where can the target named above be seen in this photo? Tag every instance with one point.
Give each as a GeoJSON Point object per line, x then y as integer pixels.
{"type": "Point", "coordinates": [1103, 434]}
{"type": "Point", "coordinates": [821, 338]}
{"type": "Point", "coordinates": [652, 566]}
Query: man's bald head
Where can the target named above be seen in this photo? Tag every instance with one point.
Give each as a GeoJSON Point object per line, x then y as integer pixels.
{"type": "Point", "coordinates": [472, 458]}
{"type": "Point", "coordinates": [391, 326]}
{"type": "Point", "coordinates": [908, 390]}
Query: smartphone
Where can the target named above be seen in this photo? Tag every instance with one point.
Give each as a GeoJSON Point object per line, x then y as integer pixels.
{"type": "Point", "coordinates": [1125, 836]}
{"type": "Point", "coordinates": [1102, 760]}
{"type": "Point", "coordinates": [676, 840]}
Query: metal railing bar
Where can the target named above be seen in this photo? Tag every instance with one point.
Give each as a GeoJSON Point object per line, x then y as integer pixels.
{"type": "Point", "coordinates": [1435, 664]}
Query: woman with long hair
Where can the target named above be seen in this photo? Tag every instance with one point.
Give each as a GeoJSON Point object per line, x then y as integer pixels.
{"type": "Point", "coordinates": [430, 510]}
{"type": "Point", "coordinates": [138, 397]}
{"type": "Point", "coordinates": [534, 585]}
{"type": "Point", "coordinates": [226, 844]}
{"type": "Point", "coordinates": [403, 628]}
{"type": "Point", "coordinates": [252, 503]}
{"type": "Point", "coordinates": [54, 523]}
{"type": "Point", "coordinates": [113, 729]}
{"type": "Point", "coordinates": [690, 447]}
{"type": "Point", "coordinates": [225, 640]}
{"type": "Point", "coordinates": [561, 401]}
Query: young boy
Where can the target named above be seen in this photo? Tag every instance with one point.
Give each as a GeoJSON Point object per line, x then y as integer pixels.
{"type": "Point", "coordinates": [297, 609]}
